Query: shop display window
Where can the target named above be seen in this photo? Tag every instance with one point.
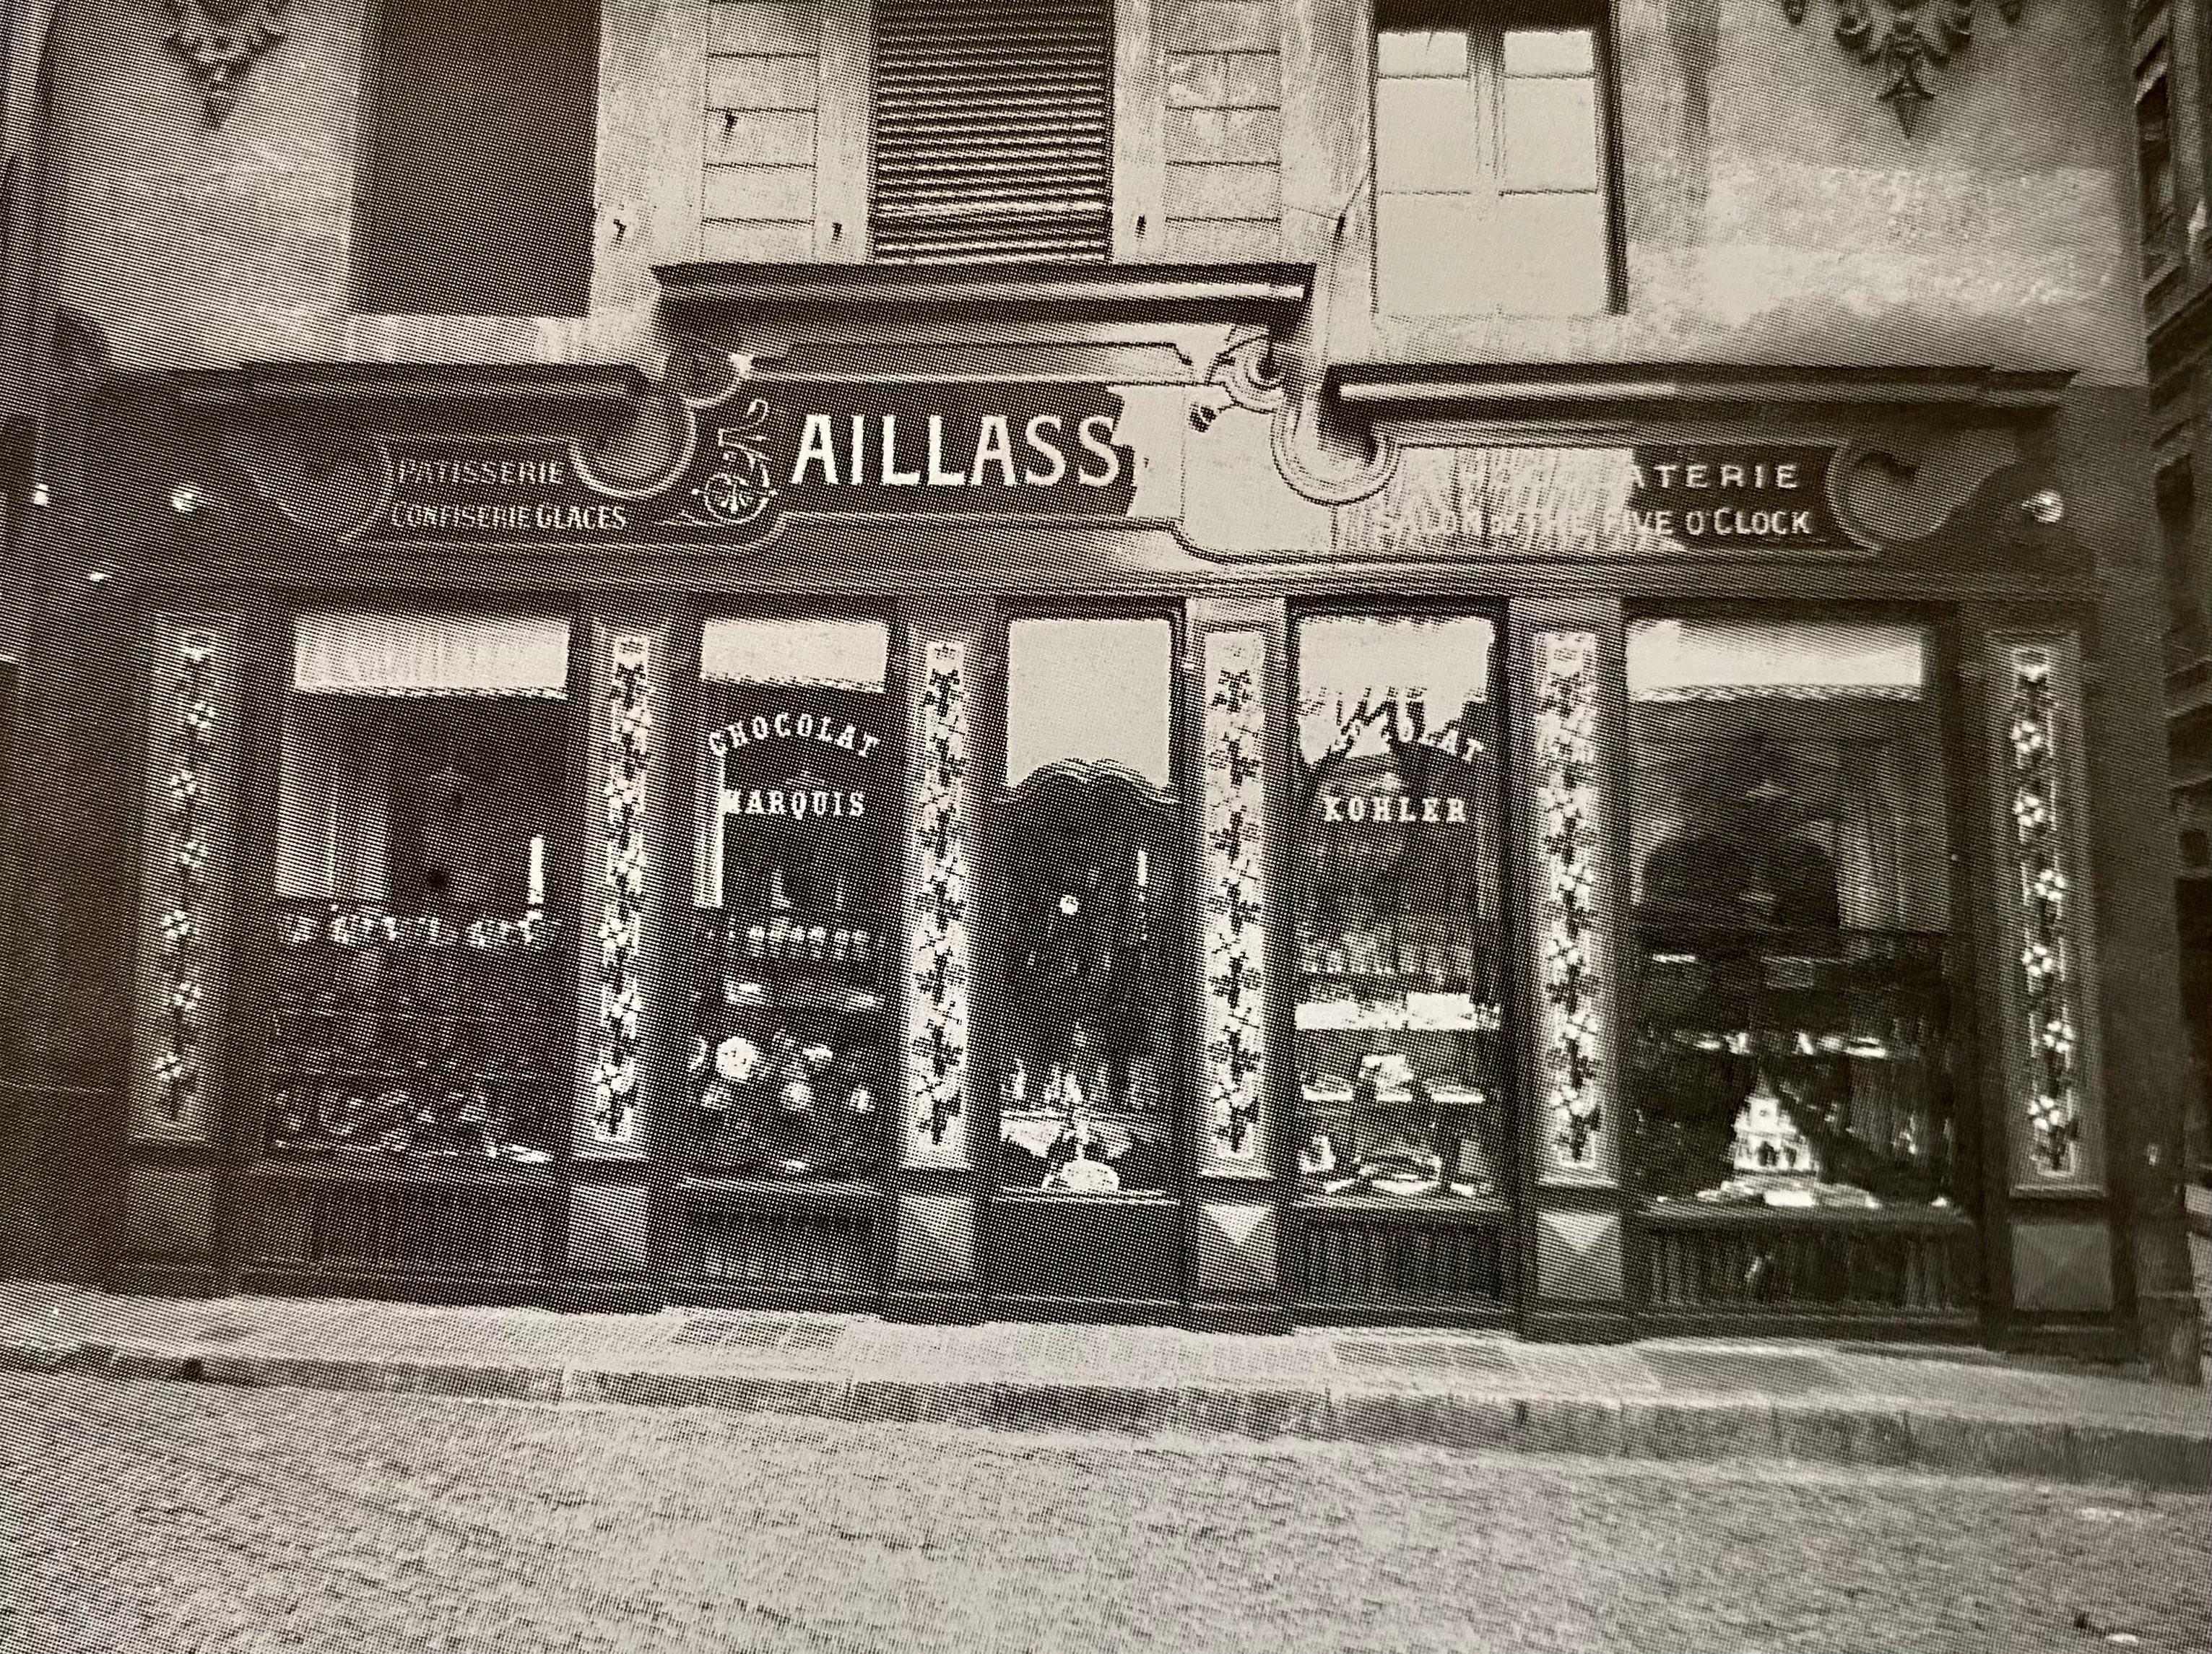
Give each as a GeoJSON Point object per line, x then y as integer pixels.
{"type": "Point", "coordinates": [1401, 1076]}
{"type": "Point", "coordinates": [795, 939]}
{"type": "Point", "coordinates": [1791, 874]}
{"type": "Point", "coordinates": [1094, 908]}
{"type": "Point", "coordinates": [424, 969]}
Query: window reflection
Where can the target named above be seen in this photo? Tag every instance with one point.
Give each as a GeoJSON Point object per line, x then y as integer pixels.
{"type": "Point", "coordinates": [422, 1002]}
{"type": "Point", "coordinates": [1085, 1088]}
{"type": "Point", "coordinates": [1792, 899]}
{"type": "Point", "coordinates": [790, 1058]}
{"type": "Point", "coordinates": [1398, 1023]}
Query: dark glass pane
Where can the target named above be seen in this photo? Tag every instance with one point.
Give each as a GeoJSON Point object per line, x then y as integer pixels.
{"type": "Point", "coordinates": [1792, 901]}
{"type": "Point", "coordinates": [426, 996]}
{"type": "Point", "coordinates": [1402, 1079]}
{"type": "Point", "coordinates": [1085, 1093]}
{"type": "Point", "coordinates": [479, 197]}
{"type": "Point", "coordinates": [791, 1049]}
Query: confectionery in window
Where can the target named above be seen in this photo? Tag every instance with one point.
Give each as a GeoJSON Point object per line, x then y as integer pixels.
{"type": "Point", "coordinates": [1092, 1026]}
{"type": "Point", "coordinates": [1792, 902]}
{"type": "Point", "coordinates": [1400, 1024]}
{"type": "Point", "coordinates": [424, 975]}
{"type": "Point", "coordinates": [797, 944]}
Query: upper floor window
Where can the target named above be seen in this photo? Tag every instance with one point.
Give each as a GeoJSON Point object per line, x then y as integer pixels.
{"type": "Point", "coordinates": [2155, 165]}
{"type": "Point", "coordinates": [993, 131]}
{"type": "Point", "coordinates": [1491, 173]}
{"type": "Point", "coordinates": [478, 185]}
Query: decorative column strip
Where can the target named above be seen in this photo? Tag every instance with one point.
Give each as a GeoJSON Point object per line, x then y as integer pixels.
{"type": "Point", "coordinates": [1235, 960]}
{"type": "Point", "coordinates": [1572, 947]}
{"type": "Point", "coordinates": [937, 997]}
{"type": "Point", "coordinates": [179, 1071]}
{"type": "Point", "coordinates": [614, 1078]}
{"type": "Point", "coordinates": [2046, 1035]}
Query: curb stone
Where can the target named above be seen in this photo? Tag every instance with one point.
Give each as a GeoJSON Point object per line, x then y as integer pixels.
{"type": "Point", "coordinates": [1732, 1430]}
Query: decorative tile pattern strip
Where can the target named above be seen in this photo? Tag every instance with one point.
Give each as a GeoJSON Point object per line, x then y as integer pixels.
{"type": "Point", "coordinates": [614, 1080]}
{"type": "Point", "coordinates": [1236, 962]}
{"type": "Point", "coordinates": [1567, 805]}
{"type": "Point", "coordinates": [2047, 974]}
{"type": "Point", "coordinates": [178, 1068]}
{"type": "Point", "coordinates": [937, 1003]}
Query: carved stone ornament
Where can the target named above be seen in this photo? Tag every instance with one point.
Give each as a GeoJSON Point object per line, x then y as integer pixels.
{"type": "Point", "coordinates": [1915, 34]}
{"type": "Point", "coordinates": [219, 40]}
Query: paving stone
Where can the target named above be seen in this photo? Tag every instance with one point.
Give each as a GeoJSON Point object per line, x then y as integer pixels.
{"type": "Point", "coordinates": [891, 1401]}
{"type": "Point", "coordinates": [1676, 1430]}
{"type": "Point", "coordinates": [2007, 1447]}
{"type": "Point", "coordinates": [732, 1392]}
{"type": "Point", "coordinates": [23, 1357]}
{"type": "Point", "coordinates": [2160, 1459]}
{"type": "Point", "coordinates": [1835, 1435]}
{"type": "Point", "coordinates": [1568, 1424]}
{"type": "Point", "coordinates": [1115, 1409]}
{"type": "Point", "coordinates": [1723, 1371]}
{"type": "Point", "coordinates": [1258, 1414]}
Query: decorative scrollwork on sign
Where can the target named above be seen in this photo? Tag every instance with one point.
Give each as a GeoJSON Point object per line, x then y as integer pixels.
{"type": "Point", "coordinates": [937, 1000]}
{"type": "Point", "coordinates": [219, 40]}
{"type": "Point", "coordinates": [2047, 975]}
{"type": "Point", "coordinates": [1236, 961]}
{"type": "Point", "coordinates": [1262, 377]}
{"type": "Point", "coordinates": [178, 1068]}
{"type": "Point", "coordinates": [1566, 803]}
{"type": "Point", "coordinates": [614, 1079]}
{"type": "Point", "coordinates": [741, 486]}
{"type": "Point", "coordinates": [1915, 34]}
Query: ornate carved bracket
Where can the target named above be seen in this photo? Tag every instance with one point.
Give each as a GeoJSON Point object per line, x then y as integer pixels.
{"type": "Point", "coordinates": [1916, 33]}
{"type": "Point", "coordinates": [1252, 367]}
{"type": "Point", "coordinates": [219, 40]}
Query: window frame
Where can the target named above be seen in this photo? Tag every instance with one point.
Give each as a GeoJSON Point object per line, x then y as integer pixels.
{"type": "Point", "coordinates": [1491, 27]}
{"type": "Point", "coordinates": [1983, 1150]}
{"type": "Point", "coordinates": [1178, 986]}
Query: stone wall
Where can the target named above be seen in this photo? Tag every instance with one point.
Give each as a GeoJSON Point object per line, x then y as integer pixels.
{"type": "Point", "coordinates": [1771, 207]}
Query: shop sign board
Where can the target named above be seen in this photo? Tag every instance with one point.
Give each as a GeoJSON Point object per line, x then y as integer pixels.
{"type": "Point", "coordinates": [1640, 501]}
{"type": "Point", "coordinates": [773, 449]}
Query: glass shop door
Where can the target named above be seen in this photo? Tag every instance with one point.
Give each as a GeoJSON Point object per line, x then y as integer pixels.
{"type": "Point", "coordinates": [1092, 908]}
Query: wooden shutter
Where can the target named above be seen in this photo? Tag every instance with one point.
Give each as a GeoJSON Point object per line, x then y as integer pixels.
{"type": "Point", "coordinates": [993, 130]}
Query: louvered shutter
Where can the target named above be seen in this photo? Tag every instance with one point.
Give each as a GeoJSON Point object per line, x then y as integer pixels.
{"type": "Point", "coordinates": [993, 130]}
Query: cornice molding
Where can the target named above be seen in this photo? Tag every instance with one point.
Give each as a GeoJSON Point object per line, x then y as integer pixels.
{"type": "Point", "coordinates": [611, 389]}
{"type": "Point", "coordinates": [1195, 292]}
{"type": "Point", "coordinates": [1612, 393]}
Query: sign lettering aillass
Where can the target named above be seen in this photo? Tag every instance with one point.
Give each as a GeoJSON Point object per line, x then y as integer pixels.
{"type": "Point", "coordinates": [892, 450]}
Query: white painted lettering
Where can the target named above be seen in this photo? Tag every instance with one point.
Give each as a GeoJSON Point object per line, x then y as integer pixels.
{"type": "Point", "coordinates": [1045, 449]}
{"type": "Point", "coordinates": [1097, 434]}
{"type": "Point", "coordinates": [816, 447]}
{"type": "Point", "coordinates": [994, 446]}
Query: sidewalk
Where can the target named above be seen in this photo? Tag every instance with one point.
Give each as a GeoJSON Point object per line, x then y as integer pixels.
{"type": "Point", "coordinates": [1938, 1409]}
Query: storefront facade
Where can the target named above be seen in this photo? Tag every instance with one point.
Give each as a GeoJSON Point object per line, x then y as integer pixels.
{"type": "Point", "coordinates": [1578, 886]}
{"type": "Point", "coordinates": [1244, 775]}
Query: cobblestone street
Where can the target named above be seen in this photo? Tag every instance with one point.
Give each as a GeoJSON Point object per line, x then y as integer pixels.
{"type": "Point", "coordinates": [175, 1517]}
